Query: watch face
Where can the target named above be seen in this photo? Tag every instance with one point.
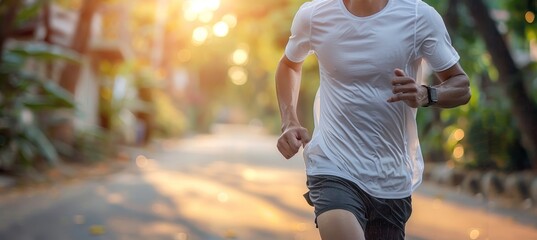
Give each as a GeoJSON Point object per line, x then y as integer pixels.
{"type": "Point", "coordinates": [434, 95]}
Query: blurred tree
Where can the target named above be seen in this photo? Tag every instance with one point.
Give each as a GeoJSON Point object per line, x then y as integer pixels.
{"type": "Point", "coordinates": [488, 117]}
{"type": "Point", "coordinates": [265, 27]}
{"type": "Point", "coordinates": [523, 107]}
{"type": "Point", "coordinates": [8, 14]}
{"type": "Point", "coordinates": [24, 93]}
{"type": "Point", "coordinates": [79, 43]}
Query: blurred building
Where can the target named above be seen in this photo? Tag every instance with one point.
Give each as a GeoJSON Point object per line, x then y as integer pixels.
{"type": "Point", "coordinates": [108, 45]}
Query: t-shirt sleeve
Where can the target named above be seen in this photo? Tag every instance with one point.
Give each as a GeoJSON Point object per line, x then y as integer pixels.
{"type": "Point", "coordinates": [299, 46]}
{"type": "Point", "coordinates": [434, 43]}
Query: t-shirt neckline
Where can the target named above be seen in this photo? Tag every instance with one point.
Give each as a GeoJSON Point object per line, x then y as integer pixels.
{"type": "Point", "coordinates": [349, 14]}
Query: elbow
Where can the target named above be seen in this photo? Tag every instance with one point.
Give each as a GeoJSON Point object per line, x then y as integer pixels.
{"type": "Point", "coordinates": [462, 96]}
{"type": "Point", "coordinates": [467, 97]}
{"type": "Point", "coordinates": [468, 92]}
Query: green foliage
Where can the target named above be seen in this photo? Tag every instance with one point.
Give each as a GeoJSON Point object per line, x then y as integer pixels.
{"type": "Point", "coordinates": [93, 145]}
{"type": "Point", "coordinates": [28, 12]}
{"type": "Point", "coordinates": [492, 140]}
{"type": "Point", "coordinates": [169, 121]}
{"type": "Point", "coordinates": [22, 96]}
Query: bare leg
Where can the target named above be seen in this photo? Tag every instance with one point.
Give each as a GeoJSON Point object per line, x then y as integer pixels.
{"type": "Point", "coordinates": [339, 225]}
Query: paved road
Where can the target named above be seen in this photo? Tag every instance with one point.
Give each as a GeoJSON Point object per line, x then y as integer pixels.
{"type": "Point", "coordinates": [231, 185]}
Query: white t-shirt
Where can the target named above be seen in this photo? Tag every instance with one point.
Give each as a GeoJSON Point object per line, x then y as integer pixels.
{"type": "Point", "coordinates": [359, 135]}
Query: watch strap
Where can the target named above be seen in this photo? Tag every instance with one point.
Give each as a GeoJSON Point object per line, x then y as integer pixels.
{"type": "Point", "coordinates": [431, 96]}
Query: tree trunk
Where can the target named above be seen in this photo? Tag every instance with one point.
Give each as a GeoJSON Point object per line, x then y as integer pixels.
{"type": "Point", "coordinates": [82, 36]}
{"type": "Point", "coordinates": [9, 9]}
{"type": "Point", "coordinates": [523, 108]}
{"type": "Point", "coordinates": [65, 132]}
{"type": "Point", "coordinates": [452, 17]}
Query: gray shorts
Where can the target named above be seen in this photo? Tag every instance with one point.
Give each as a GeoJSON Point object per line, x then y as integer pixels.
{"type": "Point", "coordinates": [380, 218]}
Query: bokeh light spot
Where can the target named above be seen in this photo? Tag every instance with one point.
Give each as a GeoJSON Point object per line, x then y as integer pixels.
{"type": "Point", "coordinates": [458, 152]}
{"type": "Point", "coordinates": [220, 29]}
{"type": "Point", "coordinates": [240, 56]}
{"type": "Point", "coordinates": [199, 36]}
{"type": "Point", "coordinates": [142, 161]}
{"type": "Point", "coordinates": [529, 16]}
{"type": "Point", "coordinates": [205, 16]}
{"type": "Point", "coordinates": [230, 19]}
{"type": "Point", "coordinates": [238, 75]}
{"type": "Point", "coordinates": [458, 134]}
{"type": "Point", "coordinates": [474, 234]}
{"type": "Point", "coordinates": [198, 7]}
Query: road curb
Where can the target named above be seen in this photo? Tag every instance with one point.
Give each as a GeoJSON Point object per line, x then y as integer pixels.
{"type": "Point", "coordinates": [518, 188]}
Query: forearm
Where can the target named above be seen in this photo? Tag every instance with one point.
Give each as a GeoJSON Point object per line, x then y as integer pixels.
{"type": "Point", "coordinates": [288, 77]}
{"type": "Point", "coordinates": [453, 92]}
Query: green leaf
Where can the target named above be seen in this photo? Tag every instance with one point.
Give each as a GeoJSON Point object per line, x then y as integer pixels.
{"type": "Point", "coordinates": [28, 12]}
{"type": "Point", "coordinates": [52, 96]}
{"type": "Point", "coordinates": [62, 96]}
{"type": "Point", "coordinates": [11, 62]}
{"type": "Point", "coordinates": [43, 144]}
{"type": "Point", "coordinates": [22, 83]}
{"type": "Point", "coordinates": [27, 149]}
{"type": "Point", "coordinates": [45, 52]}
{"type": "Point", "coordinates": [35, 102]}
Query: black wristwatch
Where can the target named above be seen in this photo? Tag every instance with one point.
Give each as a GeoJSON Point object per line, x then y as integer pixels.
{"type": "Point", "coordinates": [432, 96]}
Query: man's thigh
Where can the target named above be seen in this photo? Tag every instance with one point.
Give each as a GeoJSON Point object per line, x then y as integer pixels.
{"type": "Point", "coordinates": [379, 218]}
{"type": "Point", "coordinates": [339, 224]}
{"type": "Point", "coordinates": [328, 193]}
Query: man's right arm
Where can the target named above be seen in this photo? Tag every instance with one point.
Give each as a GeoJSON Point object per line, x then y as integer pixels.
{"type": "Point", "coordinates": [288, 78]}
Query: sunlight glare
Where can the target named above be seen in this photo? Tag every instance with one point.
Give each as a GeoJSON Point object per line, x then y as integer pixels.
{"type": "Point", "coordinates": [240, 56]}
{"type": "Point", "coordinates": [300, 226]}
{"type": "Point", "coordinates": [230, 19]}
{"type": "Point", "coordinates": [199, 35]}
{"type": "Point", "coordinates": [221, 29]}
{"type": "Point", "coordinates": [223, 197]}
{"type": "Point", "coordinates": [200, 9]}
{"type": "Point", "coordinates": [205, 16]}
{"type": "Point", "coordinates": [190, 16]}
{"type": "Point", "coordinates": [249, 174]}
{"type": "Point", "coordinates": [205, 194]}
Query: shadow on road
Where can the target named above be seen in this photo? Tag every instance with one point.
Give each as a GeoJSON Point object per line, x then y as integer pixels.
{"type": "Point", "coordinates": [229, 185]}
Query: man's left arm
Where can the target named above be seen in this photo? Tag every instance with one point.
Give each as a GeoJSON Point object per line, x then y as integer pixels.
{"type": "Point", "coordinates": [454, 89]}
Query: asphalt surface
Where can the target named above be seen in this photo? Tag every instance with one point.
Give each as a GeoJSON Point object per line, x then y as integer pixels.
{"type": "Point", "coordinates": [229, 185]}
